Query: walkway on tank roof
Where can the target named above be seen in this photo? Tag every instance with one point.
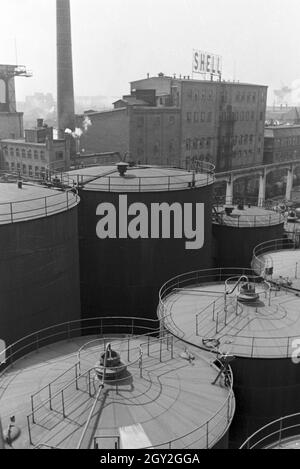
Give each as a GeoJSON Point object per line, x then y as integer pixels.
{"type": "Point", "coordinates": [285, 263]}
{"type": "Point", "coordinates": [31, 202]}
{"type": "Point", "coordinates": [261, 330]}
{"type": "Point", "coordinates": [248, 217]}
{"type": "Point", "coordinates": [139, 178]}
{"type": "Point", "coordinates": [172, 400]}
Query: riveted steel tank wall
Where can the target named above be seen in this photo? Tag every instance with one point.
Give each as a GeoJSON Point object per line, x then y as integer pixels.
{"type": "Point", "coordinates": [123, 276]}
{"type": "Point", "coordinates": [39, 272]}
{"type": "Point", "coordinates": [234, 246]}
{"type": "Point", "coordinates": [265, 389]}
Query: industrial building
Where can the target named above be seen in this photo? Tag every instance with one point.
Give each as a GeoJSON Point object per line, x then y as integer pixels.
{"type": "Point", "coordinates": [11, 121]}
{"type": "Point", "coordinates": [36, 154]}
{"type": "Point", "coordinates": [179, 121]}
{"type": "Point", "coordinates": [282, 143]}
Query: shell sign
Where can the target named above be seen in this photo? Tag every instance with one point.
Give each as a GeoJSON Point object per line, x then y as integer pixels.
{"type": "Point", "coordinates": [206, 63]}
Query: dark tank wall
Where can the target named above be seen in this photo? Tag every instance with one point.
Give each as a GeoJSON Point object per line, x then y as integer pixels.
{"type": "Point", "coordinates": [39, 272]}
{"type": "Point", "coordinates": [234, 246]}
{"type": "Point", "coordinates": [123, 276]}
{"type": "Point", "coordinates": [265, 389]}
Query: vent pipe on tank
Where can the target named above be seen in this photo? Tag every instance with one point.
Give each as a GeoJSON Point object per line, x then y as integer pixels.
{"type": "Point", "coordinates": [122, 168]}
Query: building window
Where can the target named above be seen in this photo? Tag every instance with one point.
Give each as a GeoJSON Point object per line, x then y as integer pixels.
{"type": "Point", "coordinates": [245, 139]}
{"type": "Point", "coordinates": [208, 142]}
{"type": "Point", "coordinates": [196, 116]}
{"type": "Point", "coordinates": [59, 155]}
{"type": "Point", "coordinates": [36, 171]}
{"type": "Point", "coordinates": [23, 153]}
{"type": "Point", "coordinates": [241, 140]}
{"type": "Point", "coordinates": [42, 155]}
{"type": "Point", "coordinates": [196, 96]}
{"type": "Point", "coordinates": [29, 154]}
{"type": "Point", "coordinates": [171, 146]}
{"type": "Point", "coordinates": [202, 116]}
{"type": "Point", "coordinates": [247, 115]}
{"type": "Point", "coordinates": [24, 168]}
{"type": "Point", "coordinates": [238, 96]}
{"type": "Point", "coordinates": [11, 151]}
{"type": "Point", "coordinates": [254, 97]}
{"type": "Point", "coordinates": [36, 155]}
{"type": "Point", "coordinates": [251, 138]}
{"type": "Point", "coordinates": [12, 165]}
{"type": "Point", "coordinates": [19, 166]}
{"type": "Point", "coordinates": [242, 115]}
{"type": "Point", "coordinates": [195, 143]}
{"type": "Point", "coordinates": [171, 120]}
{"type": "Point", "coordinates": [17, 152]}
{"type": "Point", "coordinates": [188, 144]}
{"type": "Point", "coordinates": [189, 116]}
{"type": "Point", "coordinates": [30, 170]}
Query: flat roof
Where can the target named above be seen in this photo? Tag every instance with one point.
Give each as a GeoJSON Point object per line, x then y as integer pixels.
{"type": "Point", "coordinates": [31, 202]}
{"type": "Point", "coordinates": [261, 330]}
{"type": "Point", "coordinates": [173, 399]}
{"type": "Point", "coordinates": [138, 178]}
{"type": "Point", "coordinates": [248, 217]}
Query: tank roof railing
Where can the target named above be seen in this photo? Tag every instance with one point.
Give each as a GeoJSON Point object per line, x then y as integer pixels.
{"type": "Point", "coordinates": [282, 346]}
{"type": "Point", "coordinates": [284, 428]}
{"type": "Point", "coordinates": [128, 325]}
{"type": "Point", "coordinates": [260, 265]}
{"type": "Point", "coordinates": [109, 183]}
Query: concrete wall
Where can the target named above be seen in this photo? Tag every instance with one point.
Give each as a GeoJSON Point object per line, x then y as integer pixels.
{"type": "Point", "coordinates": [155, 136]}
{"type": "Point", "coordinates": [109, 132]}
{"type": "Point", "coordinates": [11, 125]}
{"type": "Point", "coordinates": [39, 272]}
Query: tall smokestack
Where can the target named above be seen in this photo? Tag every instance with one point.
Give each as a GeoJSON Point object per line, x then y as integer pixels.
{"type": "Point", "coordinates": [65, 87]}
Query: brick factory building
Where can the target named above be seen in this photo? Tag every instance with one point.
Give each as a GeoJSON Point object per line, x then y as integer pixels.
{"type": "Point", "coordinates": [179, 121]}
{"type": "Point", "coordinates": [282, 143]}
{"type": "Point", "coordinates": [36, 154]}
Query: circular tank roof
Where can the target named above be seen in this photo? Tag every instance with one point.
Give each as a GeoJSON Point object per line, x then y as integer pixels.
{"type": "Point", "coordinates": [202, 314]}
{"type": "Point", "coordinates": [165, 398]}
{"type": "Point", "coordinates": [139, 178]}
{"type": "Point", "coordinates": [32, 201]}
{"type": "Point", "coordinates": [246, 216]}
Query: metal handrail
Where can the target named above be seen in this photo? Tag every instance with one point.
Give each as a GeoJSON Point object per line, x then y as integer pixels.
{"type": "Point", "coordinates": [206, 276]}
{"type": "Point", "coordinates": [16, 350]}
{"type": "Point", "coordinates": [68, 199]}
{"type": "Point", "coordinates": [107, 182]}
{"type": "Point", "coordinates": [269, 246]}
{"type": "Point", "coordinates": [247, 442]}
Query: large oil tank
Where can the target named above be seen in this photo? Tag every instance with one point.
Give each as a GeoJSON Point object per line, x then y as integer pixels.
{"type": "Point", "coordinates": [121, 272]}
{"type": "Point", "coordinates": [237, 229]}
{"type": "Point", "coordinates": [39, 260]}
{"type": "Point", "coordinates": [117, 390]}
{"type": "Point", "coordinates": [254, 322]}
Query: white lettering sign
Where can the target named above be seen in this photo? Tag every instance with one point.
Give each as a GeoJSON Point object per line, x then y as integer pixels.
{"type": "Point", "coordinates": [162, 221]}
{"type": "Point", "coordinates": [204, 62]}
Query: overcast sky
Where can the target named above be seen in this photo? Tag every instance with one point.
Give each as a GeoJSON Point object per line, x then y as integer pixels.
{"type": "Point", "coordinates": [117, 41]}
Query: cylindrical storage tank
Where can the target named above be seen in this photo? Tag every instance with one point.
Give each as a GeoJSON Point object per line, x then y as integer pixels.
{"type": "Point", "coordinates": [232, 312]}
{"type": "Point", "coordinates": [147, 390]}
{"type": "Point", "coordinates": [238, 229]}
{"type": "Point", "coordinates": [39, 261]}
{"type": "Point", "coordinates": [137, 227]}
{"type": "Point", "coordinates": [282, 433]}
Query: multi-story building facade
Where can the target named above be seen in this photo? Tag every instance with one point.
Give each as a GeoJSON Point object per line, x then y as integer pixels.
{"type": "Point", "coordinates": [35, 155]}
{"type": "Point", "coordinates": [282, 143]}
{"type": "Point", "coordinates": [179, 121]}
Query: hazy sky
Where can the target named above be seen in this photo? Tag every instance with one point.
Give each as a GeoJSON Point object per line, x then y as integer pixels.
{"type": "Point", "coordinates": [117, 41]}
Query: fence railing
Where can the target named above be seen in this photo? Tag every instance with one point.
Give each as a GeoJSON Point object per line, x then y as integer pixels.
{"type": "Point", "coordinates": [274, 433]}
{"type": "Point", "coordinates": [247, 221]}
{"type": "Point", "coordinates": [245, 345]}
{"type": "Point", "coordinates": [178, 180]}
{"type": "Point", "coordinates": [13, 212]}
{"type": "Point", "coordinates": [260, 265]}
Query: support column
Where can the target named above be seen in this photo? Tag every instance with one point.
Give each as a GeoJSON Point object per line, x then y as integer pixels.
{"type": "Point", "coordinates": [229, 192]}
{"type": "Point", "coordinates": [262, 189]}
{"type": "Point", "coordinates": [289, 183]}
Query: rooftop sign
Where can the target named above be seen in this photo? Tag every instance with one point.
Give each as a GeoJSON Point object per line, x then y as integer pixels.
{"type": "Point", "coordinates": [207, 63]}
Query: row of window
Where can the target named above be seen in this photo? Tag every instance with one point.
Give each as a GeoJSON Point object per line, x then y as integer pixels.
{"type": "Point", "coordinates": [24, 169]}
{"type": "Point", "coordinates": [287, 141]}
{"type": "Point", "coordinates": [245, 153]}
{"type": "Point", "coordinates": [225, 140]}
{"type": "Point", "coordinates": [22, 153]}
{"type": "Point", "coordinates": [156, 121]}
{"type": "Point", "coordinates": [205, 94]}
{"type": "Point", "coordinates": [287, 155]}
{"type": "Point", "coordinates": [223, 116]}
